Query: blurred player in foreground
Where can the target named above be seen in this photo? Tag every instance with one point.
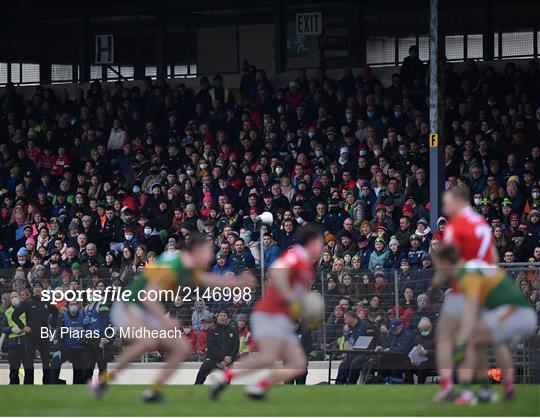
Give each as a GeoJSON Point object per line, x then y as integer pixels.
{"type": "Point", "coordinates": [495, 312]}
{"type": "Point", "coordinates": [469, 232]}
{"type": "Point", "coordinates": [272, 321]}
{"type": "Point", "coordinates": [168, 272]}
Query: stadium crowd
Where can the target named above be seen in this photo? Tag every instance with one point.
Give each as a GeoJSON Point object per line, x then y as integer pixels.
{"type": "Point", "coordinates": [96, 185]}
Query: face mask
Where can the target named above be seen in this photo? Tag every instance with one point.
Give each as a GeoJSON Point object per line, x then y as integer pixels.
{"type": "Point", "coordinates": [79, 201]}
{"type": "Point", "coordinates": [376, 152]}
{"type": "Point", "coordinates": [459, 143]}
{"type": "Point", "coordinates": [163, 173]}
{"type": "Point", "coordinates": [73, 309]}
{"type": "Point", "coordinates": [425, 333]}
{"type": "Point", "coordinates": [147, 231]}
{"type": "Point", "coordinates": [279, 170]}
{"type": "Point", "coordinates": [187, 330]}
{"type": "Point", "coordinates": [136, 189]}
{"type": "Point", "coordinates": [246, 237]}
{"type": "Point", "coordinates": [397, 115]}
{"type": "Point", "coordinates": [402, 152]}
{"type": "Point", "coordinates": [362, 153]}
{"type": "Point", "coordinates": [110, 199]}
{"type": "Point", "coordinates": [311, 134]}
{"type": "Point", "coordinates": [318, 154]}
{"type": "Point", "coordinates": [15, 302]}
{"type": "Point", "coordinates": [129, 237]}
{"type": "Point", "coordinates": [189, 172]}
{"type": "Point", "coordinates": [536, 195]}
{"type": "Point", "coordinates": [477, 201]}
{"type": "Point", "coordinates": [349, 116]}
{"type": "Point", "coordinates": [203, 166]}
{"type": "Point", "coordinates": [280, 109]}
{"type": "Point", "coordinates": [370, 114]}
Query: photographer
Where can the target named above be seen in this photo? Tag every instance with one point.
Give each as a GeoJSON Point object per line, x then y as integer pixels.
{"type": "Point", "coordinates": [223, 343]}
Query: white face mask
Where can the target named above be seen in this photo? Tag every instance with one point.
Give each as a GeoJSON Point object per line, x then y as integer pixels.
{"type": "Point", "coordinates": [15, 302]}
{"type": "Point", "coordinates": [279, 170]}
{"type": "Point", "coordinates": [425, 333]}
{"type": "Point", "coordinates": [477, 201]}
{"type": "Point", "coordinates": [147, 231]}
{"type": "Point", "coordinates": [311, 134]}
{"type": "Point", "coordinates": [189, 172]}
{"type": "Point", "coordinates": [129, 237]}
{"type": "Point", "coordinates": [377, 152]}
{"type": "Point", "coordinates": [136, 189]}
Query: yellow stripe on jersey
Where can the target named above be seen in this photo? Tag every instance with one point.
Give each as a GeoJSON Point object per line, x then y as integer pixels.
{"type": "Point", "coordinates": [477, 285]}
{"type": "Point", "coordinates": [162, 275]}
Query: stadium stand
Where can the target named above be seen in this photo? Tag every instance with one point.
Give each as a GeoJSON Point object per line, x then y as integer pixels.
{"type": "Point", "coordinates": [96, 184]}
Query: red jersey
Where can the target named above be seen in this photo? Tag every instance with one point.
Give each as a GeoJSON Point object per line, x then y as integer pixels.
{"type": "Point", "coordinates": [471, 234]}
{"type": "Point", "coordinates": [301, 274]}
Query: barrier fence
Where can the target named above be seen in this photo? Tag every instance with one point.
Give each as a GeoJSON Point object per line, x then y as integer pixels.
{"type": "Point", "coordinates": [378, 297]}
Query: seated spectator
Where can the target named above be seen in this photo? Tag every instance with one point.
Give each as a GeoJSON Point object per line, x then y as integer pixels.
{"type": "Point", "coordinates": [423, 310]}
{"type": "Point", "coordinates": [222, 347]}
{"type": "Point", "coordinates": [424, 337]}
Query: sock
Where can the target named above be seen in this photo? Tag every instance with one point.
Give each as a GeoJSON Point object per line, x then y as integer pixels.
{"type": "Point", "coordinates": [446, 383]}
{"type": "Point", "coordinates": [508, 386]}
{"type": "Point", "coordinates": [229, 375]}
{"type": "Point", "coordinates": [156, 387]}
{"type": "Point", "coordinates": [263, 384]}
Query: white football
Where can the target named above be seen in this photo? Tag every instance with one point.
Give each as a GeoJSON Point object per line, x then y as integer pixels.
{"type": "Point", "coordinates": [312, 307]}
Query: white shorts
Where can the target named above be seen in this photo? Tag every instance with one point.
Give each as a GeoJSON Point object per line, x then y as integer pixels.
{"type": "Point", "coordinates": [454, 304]}
{"type": "Point", "coordinates": [125, 314]}
{"type": "Point", "coordinates": [510, 323]}
{"type": "Point", "coordinates": [277, 325]}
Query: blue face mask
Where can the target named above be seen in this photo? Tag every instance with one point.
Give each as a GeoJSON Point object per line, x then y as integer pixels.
{"type": "Point", "coordinates": [311, 134]}
{"type": "Point", "coordinates": [370, 114]}
{"type": "Point", "coordinates": [425, 333]}
{"type": "Point", "coordinates": [397, 115]}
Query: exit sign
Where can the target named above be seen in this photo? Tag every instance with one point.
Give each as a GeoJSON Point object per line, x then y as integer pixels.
{"type": "Point", "coordinates": [309, 23]}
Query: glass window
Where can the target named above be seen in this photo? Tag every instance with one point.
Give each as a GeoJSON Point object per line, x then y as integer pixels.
{"type": "Point", "coordinates": [380, 50]}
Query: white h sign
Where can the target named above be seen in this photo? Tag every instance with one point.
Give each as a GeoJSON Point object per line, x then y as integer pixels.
{"type": "Point", "coordinates": [309, 23]}
{"type": "Point", "coordinates": [104, 49]}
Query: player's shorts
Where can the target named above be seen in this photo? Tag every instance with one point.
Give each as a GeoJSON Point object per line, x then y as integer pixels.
{"type": "Point", "coordinates": [277, 325]}
{"type": "Point", "coordinates": [454, 304]}
{"type": "Point", "coordinates": [126, 314]}
{"type": "Point", "coordinates": [510, 323]}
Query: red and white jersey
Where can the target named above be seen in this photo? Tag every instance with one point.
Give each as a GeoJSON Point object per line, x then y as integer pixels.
{"type": "Point", "coordinates": [301, 272]}
{"type": "Point", "coordinates": [471, 234]}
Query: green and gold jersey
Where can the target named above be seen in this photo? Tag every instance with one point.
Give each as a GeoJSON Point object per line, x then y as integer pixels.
{"type": "Point", "coordinates": [490, 285]}
{"type": "Point", "coordinates": [166, 273]}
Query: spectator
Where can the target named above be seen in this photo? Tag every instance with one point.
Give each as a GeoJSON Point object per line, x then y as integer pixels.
{"type": "Point", "coordinates": [350, 366]}
{"type": "Point", "coordinates": [223, 343]}
{"type": "Point", "coordinates": [199, 313]}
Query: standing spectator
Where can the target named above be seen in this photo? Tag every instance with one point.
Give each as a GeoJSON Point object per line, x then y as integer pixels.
{"type": "Point", "coordinates": [37, 314]}
{"type": "Point", "coordinates": [16, 339]}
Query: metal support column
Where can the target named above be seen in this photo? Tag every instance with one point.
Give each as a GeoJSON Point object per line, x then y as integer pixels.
{"type": "Point", "coordinates": [489, 41]}
{"type": "Point", "coordinates": [280, 33]}
{"type": "Point", "coordinates": [83, 41]}
{"type": "Point", "coordinates": [161, 48]}
{"type": "Point", "coordinates": [138, 70]}
{"type": "Point", "coordinates": [436, 164]}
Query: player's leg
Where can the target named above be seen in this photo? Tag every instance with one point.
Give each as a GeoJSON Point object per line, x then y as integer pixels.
{"type": "Point", "coordinates": [447, 327]}
{"type": "Point", "coordinates": [178, 350]}
{"type": "Point", "coordinates": [269, 350]}
{"type": "Point", "coordinates": [295, 364]}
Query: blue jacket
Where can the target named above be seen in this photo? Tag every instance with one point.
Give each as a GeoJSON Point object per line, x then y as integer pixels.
{"type": "Point", "coordinates": [221, 271]}
{"type": "Point", "coordinates": [402, 343]}
{"type": "Point", "coordinates": [271, 253]}
{"type": "Point", "coordinates": [363, 328]}
{"type": "Point", "coordinates": [96, 317]}
{"type": "Point", "coordinates": [74, 323]}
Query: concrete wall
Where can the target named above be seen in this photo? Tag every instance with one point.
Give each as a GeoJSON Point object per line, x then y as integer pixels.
{"type": "Point", "coordinates": [143, 373]}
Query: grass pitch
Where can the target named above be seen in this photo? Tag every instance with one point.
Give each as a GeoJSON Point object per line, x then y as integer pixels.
{"type": "Point", "coordinates": [320, 400]}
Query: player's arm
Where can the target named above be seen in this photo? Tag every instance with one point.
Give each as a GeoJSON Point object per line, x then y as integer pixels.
{"type": "Point", "coordinates": [279, 273]}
